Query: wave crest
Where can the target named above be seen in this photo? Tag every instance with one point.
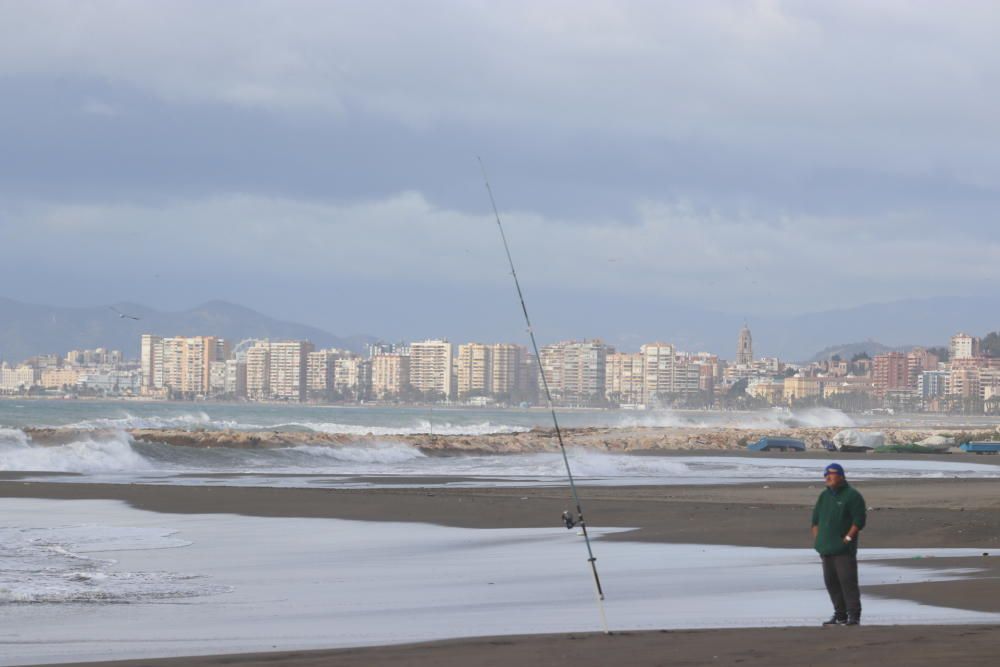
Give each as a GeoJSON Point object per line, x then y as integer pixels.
{"type": "Point", "coordinates": [103, 452]}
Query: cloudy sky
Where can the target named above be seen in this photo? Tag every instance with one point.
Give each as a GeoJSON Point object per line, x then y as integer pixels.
{"type": "Point", "coordinates": [317, 160]}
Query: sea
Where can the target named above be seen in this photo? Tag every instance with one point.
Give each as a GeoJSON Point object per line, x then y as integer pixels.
{"type": "Point", "coordinates": [104, 451]}
{"type": "Point", "coordinates": [101, 580]}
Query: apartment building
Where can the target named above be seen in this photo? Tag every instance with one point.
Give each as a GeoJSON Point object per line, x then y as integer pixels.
{"type": "Point", "coordinates": [659, 371]}
{"type": "Point", "coordinates": [963, 346]}
{"type": "Point", "coordinates": [474, 370]}
{"type": "Point", "coordinates": [150, 362]}
{"type": "Point", "coordinates": [57, 378]}
{"type": "Point", "coordinates": [625, 378]}
{"type": "Point", "coordinates": [352, 377]}
{"type": "Point", "coordinates": [287, 373]}
{"type": "Point", "coordinates": [390, 375]}
{"type": "Point", "coordinates": [891, 373]}
{"type": "Point", "coordinates": [258, 371]}
{"type": "Point", "coordinates": [431, 367]}
{"type": "Point", "coordinates": [576, 370]}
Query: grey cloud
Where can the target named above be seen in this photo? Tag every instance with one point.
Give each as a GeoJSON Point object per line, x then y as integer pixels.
{"type": "Point", "coordinates": [711, 150]}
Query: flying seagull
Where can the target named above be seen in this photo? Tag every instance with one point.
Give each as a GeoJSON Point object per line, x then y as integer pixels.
{"type": "Point", "coordinates": [124, 316]}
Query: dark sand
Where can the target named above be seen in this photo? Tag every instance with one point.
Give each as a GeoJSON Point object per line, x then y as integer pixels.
{"type": "Point", "coordinates": [912, 646]}
{"type": "Point", "coordinates": [928, 513]}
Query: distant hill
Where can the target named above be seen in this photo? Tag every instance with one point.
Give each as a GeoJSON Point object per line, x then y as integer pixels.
{"type": "Point", "coordinates": [848, 350]}
{"type": "Point", "coordinates": [929, 322]}
{"type": "Point", "coordinates": [30, 329]}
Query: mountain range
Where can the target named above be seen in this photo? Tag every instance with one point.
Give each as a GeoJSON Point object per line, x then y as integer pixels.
{"type": "Point", "coordinates": [30, 329]}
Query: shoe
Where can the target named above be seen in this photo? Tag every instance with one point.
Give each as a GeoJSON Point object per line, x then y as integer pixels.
{"type": "Point", "coordinates": [852, 621]}
{"type": "Point", "coordinates": [834, 620]}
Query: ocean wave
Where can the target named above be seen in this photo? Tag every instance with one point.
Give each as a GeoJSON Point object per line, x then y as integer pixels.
{"type": "Point", "coordinates": [191, 420]}
{"type": "Point", "coordinates": [101, 452]}
{"type": "Point", "coordinates": [778, 418]}
{"type": "Point", "coordinates": [387, 453]}
{"type": "Point", "coordinates": [13, 437]}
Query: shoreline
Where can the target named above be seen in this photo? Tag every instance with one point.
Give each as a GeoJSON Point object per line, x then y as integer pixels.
{"type": "Point", "coordinates": [905, 514]}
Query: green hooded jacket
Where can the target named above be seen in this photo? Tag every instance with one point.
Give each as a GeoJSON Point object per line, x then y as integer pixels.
{"type": "Point", "coordinates": [833, 515]}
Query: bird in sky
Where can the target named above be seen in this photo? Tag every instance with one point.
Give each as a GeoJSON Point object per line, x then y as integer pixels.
{"type": "Point", "coordinates": [124, 316]}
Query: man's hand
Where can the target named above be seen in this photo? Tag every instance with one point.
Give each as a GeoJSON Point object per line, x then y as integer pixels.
{"type": "Point", "coordinates": [815, 531]}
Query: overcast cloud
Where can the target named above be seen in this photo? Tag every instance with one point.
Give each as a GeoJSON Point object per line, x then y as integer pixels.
{"type": "Point", "coordinates": [316, 160]}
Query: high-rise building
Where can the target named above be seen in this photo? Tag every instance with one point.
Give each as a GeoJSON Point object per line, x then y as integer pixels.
{"type": "Point", "coordinates": [744, 347]}
{"type": "Point", "coordinates": [236, 378]}
{"type": "Point", "coordinates": [352, 377]}
{"type": "Point", "coordinates": [181, 365]}
{"type": "Point", "coordinates": [390, 375]}
{"type": "Point", "coordinates": [931, 384]}
{"type": "Point", "coordinates": [150, 362]}
{"type": "Point", "coordinates": [919, 360]}
{"type": "Point", "coordinates": [964, 346]}
{"type": "Point", "coordinates": [289, 361]}
{"type": "Point", "coordinates": [659, 361]}
{"type": "Point", "coordinates": [258, 371]}
{"type": "Point", "coordinates": [625, 378]}
{"type": "Point", "coordinates": [319, 370]}
{"type": "Point", "coordinates": [431, 367]}
{"type": "Point", "coordinates": [474, 370]}
{"type": "Point", "coordinates": [687, 375]}
{"type": "Point", "coordinates": [217, 378]}
{"type": "Point", "coordinates": [890, 373]}
{"type": "Point", "coordinates": [963, 383]}
{"type": "Point", "coordinates": [576, 370]}
{"type": "Point", "coordinates": [506, 364]}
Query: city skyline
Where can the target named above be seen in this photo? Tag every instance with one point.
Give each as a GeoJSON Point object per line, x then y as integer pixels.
{"type": "Point", "coordinates": [964, 376]}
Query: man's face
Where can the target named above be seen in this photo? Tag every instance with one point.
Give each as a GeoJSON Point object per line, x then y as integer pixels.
{"type": "Point", "coordinates": [833, 479]}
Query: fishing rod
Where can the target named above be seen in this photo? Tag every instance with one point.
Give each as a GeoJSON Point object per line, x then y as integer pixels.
{"type": "Point", "coordinates": [548, 398]}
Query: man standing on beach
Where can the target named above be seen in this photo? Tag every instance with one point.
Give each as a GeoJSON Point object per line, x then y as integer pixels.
{"type": "Point", "coordinates": [837, 519]}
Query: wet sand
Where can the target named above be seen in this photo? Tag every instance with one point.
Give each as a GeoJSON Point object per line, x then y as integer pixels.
{"type": "Point", "coordinates": [912, 646]}
{"type": "Point", "coordinates": [904, 514]}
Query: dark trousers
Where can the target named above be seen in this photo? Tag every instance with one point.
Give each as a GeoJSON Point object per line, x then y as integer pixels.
{"type": "Point", "coordinates": [840, 574]}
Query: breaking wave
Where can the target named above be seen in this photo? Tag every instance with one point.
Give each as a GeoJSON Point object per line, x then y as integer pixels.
{"type": "Point", "coordinates": [778, 418]}
{"type": "Point", "coordinates": [196, 420]}
{"type": "Point", "coordinates": [101, 452]}
{"type": "Point", "coordinates": [115, 456]}
{"type": "Point", "coordinates": [202, 421]}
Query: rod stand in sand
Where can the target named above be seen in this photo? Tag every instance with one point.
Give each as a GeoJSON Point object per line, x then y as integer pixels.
{"type": "Point", "coordinates": [548, 398]}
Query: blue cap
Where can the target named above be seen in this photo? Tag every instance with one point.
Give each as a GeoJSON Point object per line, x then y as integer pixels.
{"type": "Point", "coordinates": [834, 467]}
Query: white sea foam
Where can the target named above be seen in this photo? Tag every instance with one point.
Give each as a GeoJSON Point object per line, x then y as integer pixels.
{"type": "Point", "coordinates": [199, 420]}
{"type": "Point", "coordinates": [13, 437]}
{"type": "Point", "coordinates": [101, 452]}
{"type": "Point", "coordinates": [49, 565]}
{"type": "Point", "coordinates": [115, 456]}
{"type": "Point", "coordinates": [778, 418]}
{"type": "Point", "coordinates": [379, 453]}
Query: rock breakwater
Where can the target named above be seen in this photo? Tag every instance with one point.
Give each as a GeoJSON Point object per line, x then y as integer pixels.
{"type": "Point", "coordinates": [627, 439]}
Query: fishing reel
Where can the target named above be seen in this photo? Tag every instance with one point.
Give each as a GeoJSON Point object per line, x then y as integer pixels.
{"type": "Point", "coordinates": [568, 520]}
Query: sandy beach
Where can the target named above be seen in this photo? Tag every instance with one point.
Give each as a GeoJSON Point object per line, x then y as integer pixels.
{"type": "Point", "coordinates": [913, 514]}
